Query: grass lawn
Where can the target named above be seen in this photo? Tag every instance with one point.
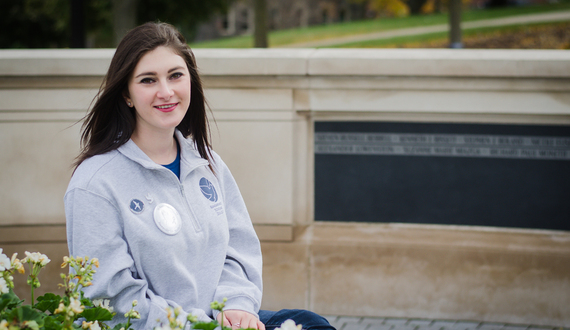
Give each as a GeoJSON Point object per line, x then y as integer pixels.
{"type": "Point", "coordinates": [441, 40]}
{"type": "Point", "coordinates": [320, 32]}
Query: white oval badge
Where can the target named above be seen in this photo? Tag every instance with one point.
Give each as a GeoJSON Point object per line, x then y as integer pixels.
{"type": "Point", "coordinates": [167, 219]}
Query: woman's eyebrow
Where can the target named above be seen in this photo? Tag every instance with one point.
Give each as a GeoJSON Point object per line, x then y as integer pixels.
{"type": "Point", "coordinates": [154, 73]}
{"type": "Point", "coordinates": [174, 69]}
{"type": "Point", "coordinates": [146, 74]}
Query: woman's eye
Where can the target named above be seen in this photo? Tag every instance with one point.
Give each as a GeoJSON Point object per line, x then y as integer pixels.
{"type": "Point", "coordinates": [176, 75]}
{"type": "Point", "coordinates": [147, 80]}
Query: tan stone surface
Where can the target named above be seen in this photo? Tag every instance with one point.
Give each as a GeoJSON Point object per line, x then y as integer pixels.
{"type": "Point", "coordinates": [46, 99]}
{"type": "Point", "coordinates": [424, 117]}
{"type": "Point", "coordinates": [423, 271]}
{"type": "Point", "coordinates": [77, 62]}
{"type": "Point", "coordinates": [260, 156]}
{"type": "Point", "coordinates": [440, 83]}
{"type": "Point", "coordinates": [274, 233]}
{"type": "Point", "coordinates": [440, 62]}
{"type": "Point", "coordinates": [285, 275]}
{"type": "Point", "coordinates": [406, 62]}
{"type": "Point", "coordinates": [438, 272]}
{"type": "Point", "coordinates": [249, 99]}
{"type": "Point", "coordinates": [36, 167]}
{"type": "Point", "coordinates": [252, 61]}
{"type": "Point", "coordinates": [441, 101]}
{"type": "Point", "coordinates": [302, 172]}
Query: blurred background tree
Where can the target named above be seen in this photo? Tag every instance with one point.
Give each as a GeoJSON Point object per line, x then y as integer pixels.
{"type": "Point", "coordinates": [47, 23]}
{"type": "Point", "coordinates": [185, 15]}
{"type": "Point", "coordinates": [34, 23]}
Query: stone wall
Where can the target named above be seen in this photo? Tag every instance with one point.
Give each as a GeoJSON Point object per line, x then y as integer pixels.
{"type": "Point", "coordinates": [264, 104]}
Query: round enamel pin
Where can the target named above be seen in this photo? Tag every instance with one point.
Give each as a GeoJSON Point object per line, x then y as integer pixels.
{"type": "Point", "coordinates": [167, 219]}
{"type": "Point", "coordinates": [136, 206]}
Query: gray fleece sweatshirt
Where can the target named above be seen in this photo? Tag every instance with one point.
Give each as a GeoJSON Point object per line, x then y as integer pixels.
{"type": "Point", "coordinates": [161, 240]}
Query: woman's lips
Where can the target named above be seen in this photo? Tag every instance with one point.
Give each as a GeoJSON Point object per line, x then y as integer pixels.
{"type": "Point", "coordinates": [166, 107]}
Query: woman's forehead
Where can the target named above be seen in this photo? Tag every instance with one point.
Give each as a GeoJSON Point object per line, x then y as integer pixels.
{"type": "Point", "coordinates": [158, 59]}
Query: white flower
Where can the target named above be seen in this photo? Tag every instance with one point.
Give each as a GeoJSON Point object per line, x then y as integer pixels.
{"type": "Point", "coordinates": [3, 286]}
{"type": "Point", "coordinates": [289, 325]}
{"type": "Point", "coordinates": [133, 314]}
{"type": "Point", "coordinates": [60, 308]}
{"type": "Point", "coordinates": [5, 263]}
{"type": "Point", "coordinates": [91, 325]}
{"type": "Point", "coordinates": [33, 257]}
{"type": "Point", "coordinates": [3, 325]}
{"type": "Point", "coordinates": [104, 303]}
{"type": "Point", "coordinates": [75, 305]}
{"type": "Point", "coordinates": [44, 260]}
{"type": "Point", "coordinates": [17, 264]}
{"type": "Point", "coordinates": [36, 258]}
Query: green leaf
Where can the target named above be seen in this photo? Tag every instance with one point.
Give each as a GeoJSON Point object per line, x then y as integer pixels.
{"type": "Point", "coordinates": [205, 325]}
{"type": "Point", "coordinates": [48, 302]}
{"type": "Point", "coordinates": [53, 322]}
{"type": "Point", "coordinates": [85, 301]}
{"type": "Point", "coordinates": [119, 326]}
{"type": "Point", "coordinates": [27, 313]}
{"type": "Point", "coordinates": [97, 314]}
{"type": "Point", "coordinates": [9, 300]}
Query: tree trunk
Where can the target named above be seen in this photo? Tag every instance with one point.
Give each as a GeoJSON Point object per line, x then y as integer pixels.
{"type": "Point", "coordinates": [455, 24]}
{"type": "Point", "coordinates": [260, 24]}
{"type": "Point", "coordinates": [77, 24]}
{"type": "Point", "coordinates": [124, 17]}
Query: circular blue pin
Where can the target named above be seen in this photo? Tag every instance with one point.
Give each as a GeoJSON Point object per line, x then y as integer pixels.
{"type": "Point", "coordinates": [137, 206]}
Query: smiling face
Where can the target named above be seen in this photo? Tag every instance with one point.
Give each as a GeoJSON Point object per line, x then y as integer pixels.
{"type": "Point", "coordinates": [159, 90]}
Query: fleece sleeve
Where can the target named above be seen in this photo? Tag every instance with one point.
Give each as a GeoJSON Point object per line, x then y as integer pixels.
{"type": "Point", "coordinates": [241, 279]}
{"type": "Point", "coordinates": [94, 229]}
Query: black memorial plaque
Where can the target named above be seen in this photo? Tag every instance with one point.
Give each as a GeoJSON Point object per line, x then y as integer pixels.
{"type": "Point", "coordinates": [460, 174]}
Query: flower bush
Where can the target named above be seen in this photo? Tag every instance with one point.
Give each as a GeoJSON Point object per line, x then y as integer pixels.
{"type": "Point", "coordinates": [74, 310]}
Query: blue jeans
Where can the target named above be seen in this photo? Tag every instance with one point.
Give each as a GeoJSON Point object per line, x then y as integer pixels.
{"type": "Point", "coordinates": [307, 319]}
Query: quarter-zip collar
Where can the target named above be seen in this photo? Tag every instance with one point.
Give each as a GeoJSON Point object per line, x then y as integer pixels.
{"type": "Point", "coordinates": [189, 157]}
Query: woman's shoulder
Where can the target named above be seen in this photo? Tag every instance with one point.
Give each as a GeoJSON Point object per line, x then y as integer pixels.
{"type": "Point", "coordinates": [91, 168]}
{"type": "Point", "coordinates": [191, 150]}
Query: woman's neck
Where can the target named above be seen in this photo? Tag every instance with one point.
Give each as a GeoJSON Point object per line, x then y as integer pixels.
{"type": "Point", "coordinates": [160, 148]}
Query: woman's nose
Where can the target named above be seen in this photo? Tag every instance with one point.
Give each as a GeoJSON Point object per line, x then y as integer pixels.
{"type": "Point", "coordinates": [165, 91]}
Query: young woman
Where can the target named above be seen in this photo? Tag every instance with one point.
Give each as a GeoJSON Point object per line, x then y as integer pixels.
{"type": "Point", "coordinates": [152, 201]}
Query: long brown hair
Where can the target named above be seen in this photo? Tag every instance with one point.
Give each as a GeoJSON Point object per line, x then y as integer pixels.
{"type": "Point", "coordinates": [110, 122]}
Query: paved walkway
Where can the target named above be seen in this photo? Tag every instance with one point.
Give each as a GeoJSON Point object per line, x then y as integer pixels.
{"type": "Point", "coordinates": [372, 323]}
{"type": "Point", "coordinates": [512, 20]}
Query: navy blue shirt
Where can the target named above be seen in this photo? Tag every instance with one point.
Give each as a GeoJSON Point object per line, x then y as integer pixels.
{"type": "Point", "coordinates": [175, 165]}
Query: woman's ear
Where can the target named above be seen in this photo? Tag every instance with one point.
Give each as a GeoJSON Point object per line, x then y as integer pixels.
{"type": "Point", "coordinates": [128, 100]}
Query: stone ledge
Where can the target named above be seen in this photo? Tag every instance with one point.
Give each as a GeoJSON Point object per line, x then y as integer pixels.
{"type": "Point", "coordinates": [254, 61]}
{"type": "Point", "coordinates": [36, 234]}
{"type": "Point", "coordinates": [59, 62]}
{"type": "Point", "coordinates": [310, 62]}
{"type": "Point", "coordinates": [442, 237]}
{"type": "Point", "coordinates": [275, 233]}
{"type": "Point", "coordinates": [441, 62]}
{"type": "Point", "coordinates": [32, 234]}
